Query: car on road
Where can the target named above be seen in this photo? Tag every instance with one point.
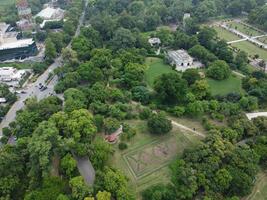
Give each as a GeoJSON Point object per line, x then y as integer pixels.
{"type": "Point", "coordinates": [43, 88]}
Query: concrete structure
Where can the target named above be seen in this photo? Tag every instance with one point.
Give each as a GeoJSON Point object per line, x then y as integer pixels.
{"type": "Point", "coordinates": [186, 16]}
{"type": "Point", "coordinates": [180, 58]}
{"type": "Point", "coordinates": [51, 14]}
{"type": "Point", "coordinates": [11, 74]}
{"type": "Point", "coordinates": [154, 41]}
{"type": "Point", "coordinates": [255, 115]}
{"type": "Point", "coordinates": [24, 10]}
{"type": "Point", "coordinates": [24, 24]}
{"type": "Point", "coordinates": [25, 15]}
{"type": "Point", "coordinates": [2, 100]}
{"type": "Point", "coordinates": [113, 138]}
{"type": "Point", "coordinates": [11, 47]}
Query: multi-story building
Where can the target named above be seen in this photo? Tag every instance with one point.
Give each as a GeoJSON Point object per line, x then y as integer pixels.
{"type": "Point", "coordinates": [12, 48]}
{"type": "Point", "coordinates": [25, 15]}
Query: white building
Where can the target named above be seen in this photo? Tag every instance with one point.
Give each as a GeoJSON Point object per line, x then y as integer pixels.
{"type": "Point", "coordinates": [154, 41]}
{"type": "Point", "coordinates": [186, 16]}
{"type": "Point", "coordinates": [180, 58]}
{"type": "Point", "coordinates": [2, 100]}
{"type": "Point", "coordinates": [51, 14]}
{"type": "Point", "coordinates": [8, 74]}
{"type": "Point", "coordinates": [12, 48]}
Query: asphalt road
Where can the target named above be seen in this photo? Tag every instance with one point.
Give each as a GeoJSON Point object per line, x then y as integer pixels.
{"type": "Point", "coordinates": [33, 90]}
{"type": "Point", "coordinates": [86, 169]}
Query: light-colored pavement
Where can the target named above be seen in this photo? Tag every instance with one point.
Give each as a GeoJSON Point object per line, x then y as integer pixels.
{"type": "Point", "coordinates": [256, 114]}
{"type": "Point", "coordinates": [86, 169]}
{"type": "Point", "coordinates": [187, 129]}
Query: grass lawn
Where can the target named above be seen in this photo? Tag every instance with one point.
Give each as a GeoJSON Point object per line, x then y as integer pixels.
{"type": "Point", "coordinates": [263, 39]}
{"type": "Point", "coordinates": [251, 49]}
{"type": "Point", "coordinates": [148, 34]}
{"type": "Point", "coordinates": [232, 84]}
{"type": "Point", "coordinates": [156, 67]}
{"type": "Point", "coordinates": [226, 35]}
{"type": "Point", "coordinates": [17, 65]}
{"type": "Point", "coordinates": [260, 189]}
{"type": "Point", "coordinates": [244, 29]}
{"type": "Point", "coordinates": [148, 156]}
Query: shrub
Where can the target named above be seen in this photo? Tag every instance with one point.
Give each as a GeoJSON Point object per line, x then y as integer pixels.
{"type": "Point", "coordinates": [123, 146]}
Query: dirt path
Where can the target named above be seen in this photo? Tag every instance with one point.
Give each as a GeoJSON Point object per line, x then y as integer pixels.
{"type": "Point", "coordinates": [187, 128]}
{"type": "Point", "coordinates": [260, 181]}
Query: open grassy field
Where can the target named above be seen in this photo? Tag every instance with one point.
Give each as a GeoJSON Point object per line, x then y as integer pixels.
{"type": "Point", "coordinates": [251, 49]}
{"type": "Point", "coordinates": [232, 84]}
{"type": "Point", "coordinates": [156, 67]}
{"type": "Point", "coordinates": [260, 190]}
{"type": "Point", "coordinates": [244, 29]}
{"type": "Point", "coordinates": [226, 35]}
{"type": "Point", "coordinates": [148, 156]}
{"type": "Point", "coordinates": [17, 65]}
{"type": "Point", "coordinates": [263, 39]}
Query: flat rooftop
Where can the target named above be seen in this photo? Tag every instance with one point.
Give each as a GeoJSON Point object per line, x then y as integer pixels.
{"type": "Point", "coordinates": [16, 44]}
{"type": "Point", "coordinates": [49, 13]}
{"type": "Point", "coordinates": [179, 55]}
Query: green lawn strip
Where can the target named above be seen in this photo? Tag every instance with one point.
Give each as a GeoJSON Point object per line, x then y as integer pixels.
{"type": "Point", "coordinates": [156, 67]}
{"type": "Point", "coordinates": [226, 35]}
{"type": "Point", "coordinates": [232, 84]}
{"type": "Point", "coordinates": [251, 49]}
{"type": "Point", "coordinates": [244, 29]}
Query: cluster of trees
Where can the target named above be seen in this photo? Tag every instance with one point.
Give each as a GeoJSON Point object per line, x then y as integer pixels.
{"type": "Point", "coordinates": [258, 16]}
{"type": "Point", "coordinates": [102, 78]}
{"type": "Point", "coordinates": [223, 166]}
{"type": "Point", "coordinates": [10, 98]}
{"type": "Point", "coordinates": [55, 41]}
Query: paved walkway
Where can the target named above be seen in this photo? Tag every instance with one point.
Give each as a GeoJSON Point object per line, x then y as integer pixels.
{"type": "Point", "coordinates": [86, 169]}
{"type": "Point", "coordinates": [239, 74]}
{"type": "Point", "coordinates": [187, 128]}
{"type": "Point", "coordinates": [244, 37]}
{"type": "Point", "coordinates": [256, 114]}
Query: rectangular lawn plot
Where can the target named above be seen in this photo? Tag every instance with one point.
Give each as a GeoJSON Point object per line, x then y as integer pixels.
{"type": "Point", "coordinates": [152, 157]}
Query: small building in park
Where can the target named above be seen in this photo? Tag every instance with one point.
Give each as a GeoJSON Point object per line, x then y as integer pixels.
{"type": "Point", "coordinates": [180, 59]}
{"type": "Point", "coordinates": [50, 14]}
{"type": "Point", "coordinates": [154, 41]}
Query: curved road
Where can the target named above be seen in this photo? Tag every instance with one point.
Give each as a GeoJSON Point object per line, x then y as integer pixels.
{"type": "Point", "coordinates": [84, 165]}
{"type": "Point", "coordinates": [33, 90]}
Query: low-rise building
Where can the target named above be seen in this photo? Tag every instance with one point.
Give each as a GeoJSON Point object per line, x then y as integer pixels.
{"type": "Point", "coordinates": [154, 41]}
{"type": "Point", "coordinates": [49, 14]}
{"type": "Point", "coordinates": [180, 58]}
{"type": "Point", "coordinates": [8, 74]}
{"type": "Point", "coordinates": [13, 48]}
{"type": "Point", "coordinates": [19, 49]}
{"type": "Point", "coordinates": [2, 100]}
